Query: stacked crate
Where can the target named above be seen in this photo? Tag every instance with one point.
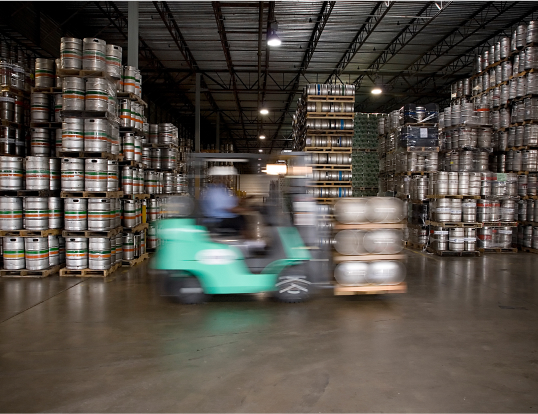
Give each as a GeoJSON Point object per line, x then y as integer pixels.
{"type": "Point", "coordinates": [368, 244]}
{"type": "Point", "coordinates": [323, 127]}
{"type": "Point", "coordinates": [364, 159]}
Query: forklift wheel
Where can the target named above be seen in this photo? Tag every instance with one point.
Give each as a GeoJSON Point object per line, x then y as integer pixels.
{"type": "Point", "coordinates": [188, 290]}
{"type": "Point", "coordinates": [292, 286]}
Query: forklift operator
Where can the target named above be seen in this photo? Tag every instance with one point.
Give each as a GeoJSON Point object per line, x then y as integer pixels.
{"type": "Point", "coordinates": [222, 207]}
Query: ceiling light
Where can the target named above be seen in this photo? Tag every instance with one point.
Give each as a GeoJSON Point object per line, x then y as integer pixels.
{"type": "Point", "coordinates": [262, 136]}
{"type": "Point", "coordinates": [272, 37]}
{"type": "Point", "coordinates": [376, 90]}
{"type": "Point", "coordinates": [260, 150]}
{"type": "Point", "coordinates": [264, 111]}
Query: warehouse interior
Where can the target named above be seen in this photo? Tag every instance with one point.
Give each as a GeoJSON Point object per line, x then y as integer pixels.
{"type": "Point", "coordinates": [381, 161]}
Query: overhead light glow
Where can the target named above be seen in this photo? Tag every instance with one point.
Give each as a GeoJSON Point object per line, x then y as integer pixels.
{"type": "Point", "coordinates": [377, 91]}
{"type": "Point", "coordinates": [262, 136]}
{"type": "Point", "coordinates": [273, 39]}
{"type": "Point", "coordinates": [264, 111]}
{"type": "Point", "coordinates": [276, 169]}
{"type": "Point", "coordinates": [260, 150]}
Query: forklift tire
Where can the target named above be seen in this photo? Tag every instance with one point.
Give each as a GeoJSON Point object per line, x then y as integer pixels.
{"type": "Point", "coordinates": [187, 290]}
{"type": "Point", "coordinates": [292, 286]}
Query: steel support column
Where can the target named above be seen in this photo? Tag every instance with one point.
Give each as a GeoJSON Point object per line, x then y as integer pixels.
{"type": "Point", "coordinates": [197, 114]}
{"type": "Point", "coordinates": [132, 34]}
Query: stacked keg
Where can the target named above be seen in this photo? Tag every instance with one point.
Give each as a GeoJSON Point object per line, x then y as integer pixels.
{"type": "Point", "coordinates": [360, 251]}
{"type": "Point", "coordinates": [330, 154]}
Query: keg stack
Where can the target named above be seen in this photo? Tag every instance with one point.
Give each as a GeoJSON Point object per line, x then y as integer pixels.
{"type": "Point", "coordinates": [368, 244]}
{"type": "Point", "coordinates": [408, 153]}
{"type": "Point", "coordinates": [505, 92]}
{"type": "Point", "coordinates": [364, 158]}
{"type": "Point", "coordinates": [323, 125]}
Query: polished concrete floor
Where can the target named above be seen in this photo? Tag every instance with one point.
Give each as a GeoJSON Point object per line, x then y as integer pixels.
{"type": "Point", "coordinates": [463, 339]}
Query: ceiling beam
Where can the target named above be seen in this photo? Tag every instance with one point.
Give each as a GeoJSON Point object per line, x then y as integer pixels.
{"type": "Point", "coordinates": [379, 11]}
{"type": "Point", "coordinates": [321, 21]}
{"type": "Point", "coordinates": [226, 49]}
{"type": "Point", "coordinates": [173, 28]}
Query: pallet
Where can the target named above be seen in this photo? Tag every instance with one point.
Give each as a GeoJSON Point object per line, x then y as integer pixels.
{"type": "Point", "coordinates": [416, 246]}
{"type": "Point", "coordinates": [440, 196]}
{"type": "Point", "coordinates": [449, 253]}
{"type": "Point", "coordinates": [89, 272]}
{"type": "Point", "coordinates": [368, 226]}
{"type": "Point", "coordinates": [369, 289]}
{"type": "Point", "coordinates": [343, 150]}
{"type": "Point", "coordinates": [501, 224]}
{"type": "Point", "coordinates": [528, 249]}
{"type": "Point", "coordinates": [136, 196]}
{"type": "Point", "coordinates": [154, 145]}
{"type": "Point", "coordinates": [329, 98]}
{"type": "Point", "coordinates": [338, 258]}
{"type": "Point", "coordinates": [92, 233]}
{"type": "Point", "coordinates": [364, 149]}
{"type": "Point", "coordinates": [37, 274]}
{"type": "Point", "coordinates": [90, 114]}
{"type": "Point", "coordinates": [410, 173]}
{"type": "Point", "coordinates": [46, 125]}
{"type": "Point", "coordinates": [450, 224]}
{"type": "Point", "coordinates": [91, 194]}
{"type": "Point", "coordinates": [421, 149]}
{"type": "Point", "coordinates": [310, 132]}
{"type": "Point", "coordinates": [30, 233]}
{"type": "Point", "coordinates": [134, 262]}
{"type": "Point", "coordinates": [330, 115]}
{"type": "Point", "coordinates": [29, 193]}
{"type": "Point", "coordinates": [318, 184]}
{"type": "Point", "coordinates": [90, 154]}
{"type": "Point", "coordinates": [497, 250]}
{"type": "Point", "coordinates": [131, 96]}
{"type": "Point", "coordinates": [131, 163]}
{"type": "Point", "coordinates": [137, 228]}
{"type": "Point", "coordinates": [134, 130]}
{"type": "Point", "coordinates": [6, 123]}
{"type": "Point", "coordinates": [84, 73]}
{"type": "Point", "coordinates": [529, 197]}
{"type": "Point", "coordinates": [47, 90]}
{"type": "Point", "coordinates": [15, 91]}
{"type": "Point", "coordinates": [330, 167]}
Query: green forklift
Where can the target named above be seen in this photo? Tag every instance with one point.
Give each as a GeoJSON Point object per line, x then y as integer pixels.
{"type": "Point", "coordinates": [196, 259]}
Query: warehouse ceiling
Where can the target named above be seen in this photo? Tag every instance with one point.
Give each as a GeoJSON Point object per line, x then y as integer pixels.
{"type": "Point", "coordinates": [415, 50]}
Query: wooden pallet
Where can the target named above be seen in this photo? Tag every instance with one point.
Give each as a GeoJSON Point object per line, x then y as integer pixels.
{"type": "Point", "coordinates": [30, 233]}
{"type": "Point", "coordinates": [328, 132]}
{"type": "Point", "coordinates": [92, 233]}
{"type": "Point", "coordinates": [330, 115]}
{"type": "Point", "coordinates": [364, 149]}
{"type": "Point", "coordinates": [134, 262]}
{"type": "Point", "coordinates": [46, 125]}
{"type": "Point", "coordinates": [329, 98]}
{"type": "Point", "coordinates": [342, 150]}
{"type": "Point", "coordinates": [89, 272]}
{"type": "Point", "coordinates": [84, 73]}
{"type": "Point", "coordinates": [416, 246]}
{"type": "Point", "coordinates": [137, 228]}
{"type": "Point", "coordinates": [528, 249]}
{"type": "Point", "coordinates": [47, 90]}
{"type": "Point", "coordinates": [439, 196]}
{"type": "Point", "coordinates": [330, 167]}
{"type": "Point", "coordinates": [91, 194]}
{"type": "Point", "coordinates": [136, 196]}
{"type": "Point", "coordinates": [134, 130]}
{"type": "Point", "coordinates": [422, 149]}
{"type": "Point", "coordinates": [37, 274]}
{"type": "Point", "coordinates": [451, 224]}
{"type": "Point", "coordinates": [368, 226]}
{"type": "Point", "coordinates": [410, 173]}
{"type": "Point", "coordinates": [91, 154]}
{"type": "Point", "coordinates": [500, 224]}
{"type": "Point", "coordinates": [15, 91]}
{"type": "Point", "coordinates": [30, 193]}
{"type": "Point", "coordinates": [132, 97]}
{"type": "Point", "coordinates": [369, 289]}
{"type": "Point", "coordinates": [449, 253]}
{"type": "Point", "coordinates": [90, 114]}
{"type": "Point", "coordinates": [153, 145]}
{"type": "Point", "coordinates": [338, 258]}
{"type": "Point", "coordinates": [318, 184]}
{"type": "Point", "coordinates": [6, 123]}
{"type": "Point", "coordinates": [131, 163]}
{"type": "Point", "coordinates": [497, 250]}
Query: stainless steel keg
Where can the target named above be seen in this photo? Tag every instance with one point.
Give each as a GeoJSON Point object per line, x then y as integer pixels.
{"type": "Point", "coordinates": [76, 253]}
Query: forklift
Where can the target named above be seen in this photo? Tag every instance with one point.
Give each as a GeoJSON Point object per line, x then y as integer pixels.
{"type": "Point", "coordinates": [196, 259]}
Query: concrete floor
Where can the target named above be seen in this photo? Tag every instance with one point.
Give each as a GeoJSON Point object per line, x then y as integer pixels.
{"type": "Point", "coordinates": [464, 339]}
